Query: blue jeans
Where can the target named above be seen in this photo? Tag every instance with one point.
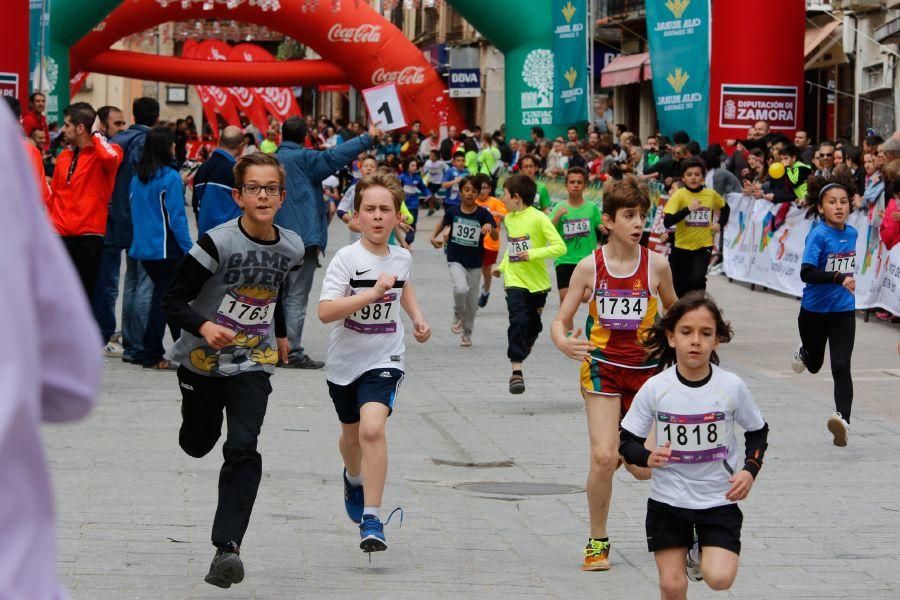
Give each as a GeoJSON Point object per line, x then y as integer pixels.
{"type": "Point", "coordinates": [106, 291]}
{"type": "Point", "coordinates": [296, 298]}
{"type": "Point", "coordinates": [136, 297]}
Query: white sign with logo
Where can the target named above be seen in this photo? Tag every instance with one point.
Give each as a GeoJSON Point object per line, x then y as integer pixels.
{"type": "Point", "coordinates": [384, 106]}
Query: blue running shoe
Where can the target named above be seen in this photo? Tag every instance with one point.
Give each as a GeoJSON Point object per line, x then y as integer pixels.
{"type": "Point", "coordinates": [372, 533]}
{"type": "Point", "coordinates": [353, 500]}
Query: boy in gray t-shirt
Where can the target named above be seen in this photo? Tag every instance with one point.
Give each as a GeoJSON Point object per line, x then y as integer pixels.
{"type": "Point", "coordinates": [226, 296]}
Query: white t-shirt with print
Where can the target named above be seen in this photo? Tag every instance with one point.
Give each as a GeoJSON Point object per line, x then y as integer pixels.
{"type": "Point", "coordinates": [372, 337]}
{"type": "Point", "coordinates": [699, 423]}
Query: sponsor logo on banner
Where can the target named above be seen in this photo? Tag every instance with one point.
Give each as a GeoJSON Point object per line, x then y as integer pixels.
{"type": "Point", "coordinates": [407, 76]}
{"type": "Point", "coordinates": [279, 97]}
{"type": "Point", "coordinates": [568, 30]}
{"type": "Point", "coordinates": [9, 84]}
{"type": "Point", "coordinates": [744, 105]}
{"type": "Point", "coordinates": [362, 34]}
{"type": "Point", "coordinates": [538, 73]}
{"type": "Point", "coordinates": [571, 94]}
{"type": "Point", "coordinates": [677, 26]}
{"type": "Point", "coordinates": [465, 83]}
{"type": "Point", "coordinates": [678, 101]}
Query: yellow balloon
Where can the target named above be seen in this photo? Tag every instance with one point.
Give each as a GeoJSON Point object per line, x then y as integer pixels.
{"type": "Point", "coordinates": [776, 170]}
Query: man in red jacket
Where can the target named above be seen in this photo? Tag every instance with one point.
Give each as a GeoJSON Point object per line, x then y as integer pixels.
{"type": "Point", "coordinates": [34, 117]}
{"type": "Point", "coordinates": [82, 184]}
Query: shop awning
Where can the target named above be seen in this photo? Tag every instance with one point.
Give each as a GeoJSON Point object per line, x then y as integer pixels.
{"type": "Point", "coordinates": [626, 69]}
{"type": "Point", "coordinates": [822, 45]}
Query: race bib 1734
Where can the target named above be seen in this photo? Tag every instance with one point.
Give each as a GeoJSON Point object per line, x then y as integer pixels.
{"type": "Point", "coordinates": [621, 309]}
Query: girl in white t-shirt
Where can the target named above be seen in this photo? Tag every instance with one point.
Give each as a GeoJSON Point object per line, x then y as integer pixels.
{"type": "Point", "coordinates": [693, 522]}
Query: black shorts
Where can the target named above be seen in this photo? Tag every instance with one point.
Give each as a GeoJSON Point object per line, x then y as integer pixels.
{"type": "Point", "coordinates": [377, 385]}
{"type": "Point", "coordinates": [564, 275]}
{"type": "Point", "coordinates": [672, 527]}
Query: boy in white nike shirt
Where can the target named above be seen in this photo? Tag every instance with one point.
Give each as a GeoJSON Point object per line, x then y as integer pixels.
{"type": "Point", "coordinates": [365, 286]}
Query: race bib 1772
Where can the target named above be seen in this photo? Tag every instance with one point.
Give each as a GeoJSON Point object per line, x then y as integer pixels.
{"type": "Point", "coordinates": [694, 438]}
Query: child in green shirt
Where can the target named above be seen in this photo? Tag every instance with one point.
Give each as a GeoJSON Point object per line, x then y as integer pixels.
{"type": "Point", "coordinates": [577, 222]}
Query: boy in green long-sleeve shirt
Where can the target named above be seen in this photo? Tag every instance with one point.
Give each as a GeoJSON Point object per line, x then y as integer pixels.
{"type": "Point", "coordinates": [531, 239]}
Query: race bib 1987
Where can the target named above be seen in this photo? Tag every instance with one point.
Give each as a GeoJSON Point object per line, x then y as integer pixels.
{"type": "Point", "coordinates": [841, 262]}
{"type": "Point", "coordinates": [515, 245]}
{"type": "Point", "coordinates": [378, 317]}
{"type": "Point", "coordinates": [694, 438]}
{"type": "Point", "coordinates": [246, 314]}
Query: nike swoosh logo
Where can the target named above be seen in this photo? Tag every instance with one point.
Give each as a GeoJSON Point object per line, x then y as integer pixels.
{"type": "Point", "coordinates": [358, 272]}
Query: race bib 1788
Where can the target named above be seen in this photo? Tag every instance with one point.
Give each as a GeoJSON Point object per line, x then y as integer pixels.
{"type": "Point", "coordinates": [515, 245]}
{"type": "Point", "coordinates": [694, 438]}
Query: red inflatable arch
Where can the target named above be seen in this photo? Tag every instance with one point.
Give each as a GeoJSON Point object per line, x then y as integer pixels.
{"type": "Point", "coordinates": [366, 47]}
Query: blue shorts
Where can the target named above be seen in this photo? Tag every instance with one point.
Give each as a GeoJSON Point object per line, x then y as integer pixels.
{"type": "Point", "coordinates": [377, 385]}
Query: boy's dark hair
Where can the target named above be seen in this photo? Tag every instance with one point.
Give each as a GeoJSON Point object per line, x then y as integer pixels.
{"type": "Point", "coordinates": [656, 341]}
{"type": "Point", "coordinates": [680, 137]}
{"type": "Point", "coordinates": [710, 159]}
{"type": "Point", "coordinates": [692, 161]}
{"type": "Point", "coordinates": [537, 129]}
{"type": "Point", "coordinates": [293, 130]}
{"type": "Point", "coordinates": [34, 95]}
{"type": "Point", "coordinates": [693, 147]}
{"type": "Point", "coordinates": [792, 151]}
{"type": "Point", "coordinates": [459, 153]}
{"type": "Point", "coordinates": [530, 157]}
{"type": "Point", "coordinates": [145, 110]}
{"type": "Point", "coordinates": [470, 180]}
{"type": "Point", "coordinates": [388, 181]}
{"type": "Point", "coordinates": [256, 159]}
{"type": "Point", "coordinates": [103, 112]}
{"type": "Point", "coordinates": [81, 113]}
{"type": "Point", "coordinates": [408, 161]}
{"type": "Point", "coordinates": [576, 171]}
{"type": "Point", "coordinates": [624, 193]}
{"type": "Point", "coordinates": [523, 186]}
{"type": "Point", "coordinates": [482, 179]}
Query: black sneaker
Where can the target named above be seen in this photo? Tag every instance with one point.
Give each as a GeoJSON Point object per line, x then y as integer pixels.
{"type": "Point", "coordinates": [304, 362]}
{"type": "Point", "coordinates": [226, 567]}
{"type": "Point", "coordinates": [483, 299]}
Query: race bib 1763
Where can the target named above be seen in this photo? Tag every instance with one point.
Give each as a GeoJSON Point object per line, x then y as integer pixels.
{"type": "Point", "coordinates": [246, 314]}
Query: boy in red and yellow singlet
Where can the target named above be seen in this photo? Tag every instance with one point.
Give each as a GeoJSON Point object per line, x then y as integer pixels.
{"type": "Point", "coordinates": [625, 285]}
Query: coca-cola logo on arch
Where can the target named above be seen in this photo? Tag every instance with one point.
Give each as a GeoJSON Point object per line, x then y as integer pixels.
{"type": "Point", "coordinates": [361, 34]}
{"type": "Point", "coordinates": [280, 98]}
{"type": "Point", "coordinates": [407, 76]}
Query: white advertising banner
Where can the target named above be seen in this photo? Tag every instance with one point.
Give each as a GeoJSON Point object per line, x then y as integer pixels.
{"type": "Point", "coordinates": [755, 253]}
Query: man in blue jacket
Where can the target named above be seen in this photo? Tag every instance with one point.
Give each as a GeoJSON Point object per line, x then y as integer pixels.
{"type": "Point", "coordinates": [138, 287]}
{"type": "Point", "coordinates": [305, 212]}
{"type": "Point", "coordinates": [214, 182]}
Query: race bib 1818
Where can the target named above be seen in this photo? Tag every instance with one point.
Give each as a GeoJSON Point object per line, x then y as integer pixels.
{"type": "Point", "coordinates": [694, 438]}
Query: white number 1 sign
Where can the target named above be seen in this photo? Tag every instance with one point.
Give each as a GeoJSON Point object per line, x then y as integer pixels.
{"type": "Point", "coordinates": [384, 107]}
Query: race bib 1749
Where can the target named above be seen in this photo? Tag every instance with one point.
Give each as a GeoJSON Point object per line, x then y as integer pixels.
{"type": "Point", "coordinates": [841, 262]}
{"type": "Point", "coordinates": [694, 438]}
{"type": "Point", "coordinates": [574, 228]}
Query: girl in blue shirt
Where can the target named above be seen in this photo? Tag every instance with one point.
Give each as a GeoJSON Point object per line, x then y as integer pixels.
{"type": "Point", "coordinates": [414, 187]}
{"type": "Point", "coordinates": [828, 304]}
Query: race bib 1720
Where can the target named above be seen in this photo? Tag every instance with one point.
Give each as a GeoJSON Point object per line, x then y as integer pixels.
{"type": "Point", "coordinates": [841, 262]}
{"type": "Point", "coordinates": [694, 438]}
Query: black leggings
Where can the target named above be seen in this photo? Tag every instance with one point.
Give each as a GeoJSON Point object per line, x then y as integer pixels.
{"type": "Point", "coordinates": [838, 329]}
{"type": "Point", "coordinates": [689, 269]}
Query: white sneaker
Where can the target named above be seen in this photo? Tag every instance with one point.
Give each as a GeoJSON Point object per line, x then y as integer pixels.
{"type": "Point", "coordinates": [113, 350]}
{"type": "Point", "coordinates": [797, 360]}
{"type": "Point", "coordinates": [693, 561]}
{"type": "Point", "coordinates": [839, 428]}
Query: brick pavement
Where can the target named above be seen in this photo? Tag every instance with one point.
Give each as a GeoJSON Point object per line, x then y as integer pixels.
{"type": "Point", "coordinates": [135, 512]}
